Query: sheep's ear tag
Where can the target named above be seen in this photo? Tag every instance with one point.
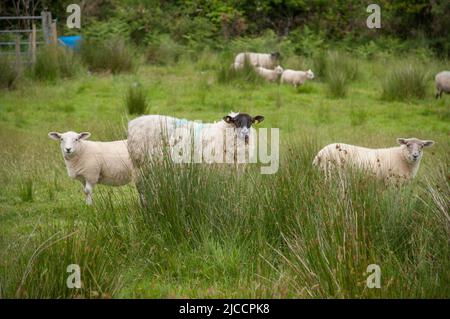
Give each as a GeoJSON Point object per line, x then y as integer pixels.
{"type": "Point", "coordinates": [258, 119]}
{"type": "Point", "coordinates": [228, 119]}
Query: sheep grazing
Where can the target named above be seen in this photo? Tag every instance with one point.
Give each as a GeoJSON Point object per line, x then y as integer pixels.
{"type": "Point", "coordinates": [399, 163]}
{"type": "Point", "coordinates": [266, 60]}
{"type": "Point", "coordinates": [442, 83]}
{"type": "Point", "coordinates": [296, 78]}
{"type": "Point", "coordinates": [94, 162]}
{"type": "Point", "coordinates": [269, 75]}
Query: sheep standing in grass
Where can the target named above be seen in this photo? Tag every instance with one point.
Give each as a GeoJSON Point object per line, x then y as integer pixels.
{"type": "Point", "coordinates": [399, 163]}
{"type": "Point", "coordinates": [269, 75]}
{"type": "Point", "coordinates": [237, 66]}
{"type": "Point", "coordinates": [94, 162]}
{"type": "Point", "coordinates": [442, 83]}
{"type": "Point", "coordinates": [296, 78]}
{"type": "Point", "coordinates": [266, 60]}
{"type": "Point", "coordinates": [151, 137]}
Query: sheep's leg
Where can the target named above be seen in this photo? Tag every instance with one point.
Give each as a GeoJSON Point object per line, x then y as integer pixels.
{"type": "Point", "coordinates": [140, 188]}
{"type": "Point", "coordinates": [88, 189]}
{"type": "Point", "coordinates": [438, 94]}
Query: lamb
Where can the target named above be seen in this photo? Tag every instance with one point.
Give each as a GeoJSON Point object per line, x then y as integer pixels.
{"type": "Point", "coordinates": [270, 75]}
{"type": "Point", "coordinates": [399, 163]}
{"type": "Point", "coordinates": [266, 60]}
{"type": "Point", "coordinates": [442, 83]}
{"type": "Point", "coordinates": [94, 162]}
{"type": "Point", "coordinates": [296, 78]}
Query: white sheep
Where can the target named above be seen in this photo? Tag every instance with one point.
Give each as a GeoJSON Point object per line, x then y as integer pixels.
{"type": "Point", "coordinates": [296, 78]}
{"type": "Point", "coordinates": [94, 162]}
{"type": "Point", "coordinates": [442, 83]}
{"type": "Point", "coordinates": [237, 66]}
{"type": "Point", "coordinates": [150, 137]}
{"type": "Point", "coordinates": [399, 163]}
{"type": "Point", "coordinates": [269, 75]}
{"type": "Point", "coordinates": [266, 60]}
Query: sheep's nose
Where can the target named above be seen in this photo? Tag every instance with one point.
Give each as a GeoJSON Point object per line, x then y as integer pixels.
{"type": "Point", "coordinates": [68, 149]}
{"type": "Point", "coordinates": [415, 156]}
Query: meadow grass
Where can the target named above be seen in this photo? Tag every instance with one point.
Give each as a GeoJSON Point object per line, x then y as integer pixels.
{"type": "Point", "coordinates": [213, 231]}
{"type": "Point", "coordinates": [110, 55]}
{"type": "Point", "coordinates": [136, 99]}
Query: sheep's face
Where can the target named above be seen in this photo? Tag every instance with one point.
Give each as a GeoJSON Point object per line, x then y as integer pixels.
{"type": "Point", "coordinates": [243, 122]}
{"type": "Point", "coordinates": [413, 148]}
{"type": "Point", "coordinates": [275, 56]}
{"type": "Point", "coordinates": [279, 70]}
{"type": "Point", "coordinates": [70, 141]}
{"type": "Point", "coordinates": [310, 74]}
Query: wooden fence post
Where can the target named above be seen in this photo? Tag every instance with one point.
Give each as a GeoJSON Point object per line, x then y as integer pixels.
{"type": "Point", "coordinates": [33, 44]}
{"type": "Point", "coordinates": [54, 35]}
{"type": "Point", "coordinates": [18, 59]}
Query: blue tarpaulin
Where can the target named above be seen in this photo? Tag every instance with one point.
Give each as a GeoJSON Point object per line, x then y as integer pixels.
{"type": "Point", "coordinates": [72, 41]}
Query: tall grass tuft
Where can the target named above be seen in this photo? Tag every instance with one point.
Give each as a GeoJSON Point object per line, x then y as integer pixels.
{"type": "Point", "coordinates": [405, 81]}
{"type": "Point", "coordinates": [247, 75]}
{"type": "Point", "coordinates": [26, 190]}
{"type": "Point", "coordinates": [8, 74]}
{"type": "Point", "coordinates": [164, 51]}
{"type": "Point", "coordinates": [136, 99]}
{"type": "Point", "coordinates": [338, 69]}
{"type": "Point", "coordinates": [113, 55]}
{"type": "Point", "coordinates": [54, 62]}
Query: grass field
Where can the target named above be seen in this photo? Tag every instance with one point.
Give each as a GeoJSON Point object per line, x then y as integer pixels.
{"type": "Point", "coordinates": [210, 233]}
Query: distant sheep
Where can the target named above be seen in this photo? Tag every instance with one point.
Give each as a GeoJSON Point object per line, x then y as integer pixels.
{"type": "Point", "coordinates": [266, 60]}
{"type": "Point", "coordinates": [270, 75]}
{"type": "Point", "coordinates": [442, 83]}
{"type": "Point", "coordinates": [296, 78]}
{"type": "Point", "coordinates": [94, 162]}
{"type": "Point", "coordinates": [399, 163]}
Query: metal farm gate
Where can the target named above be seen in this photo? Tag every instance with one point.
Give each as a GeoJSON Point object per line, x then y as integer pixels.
{"type": "Point", "coordinates": [19, 42]}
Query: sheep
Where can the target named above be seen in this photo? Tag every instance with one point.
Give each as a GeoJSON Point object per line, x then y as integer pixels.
{"type": "Point", "coordinates": [442, 83]}
{"type": "Point", "coordinates": [149, 134]}
{"type": "Point", "coordinates": [224, 141]}
{"type": "Point", "coordinates": [296, 78]}
{"type": "Point", "coordinates": [94, 162]}
{"type": "Point", "coordinates": [399, 163]}
{"type": "Point", "coordinates": [266, 60]}
{"type": "Point", "coordinates": [270, 75]}
{"type": "Point", "coordinates": [237, 66]}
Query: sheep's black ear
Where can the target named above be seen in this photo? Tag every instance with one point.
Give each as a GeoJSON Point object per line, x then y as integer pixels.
{"type": "Point", "coordinates": [258, 119]}
{"type": "Point", "coordinates": [401, 141]}
{"type": "Point", "coordinates": [54, 136]}
{"type": "Point", "coordinates": [84, 135]}
{"type": "Point", "coordinates": [428, 143]}
{"type": "Point", "coordinates": [228, 119]}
